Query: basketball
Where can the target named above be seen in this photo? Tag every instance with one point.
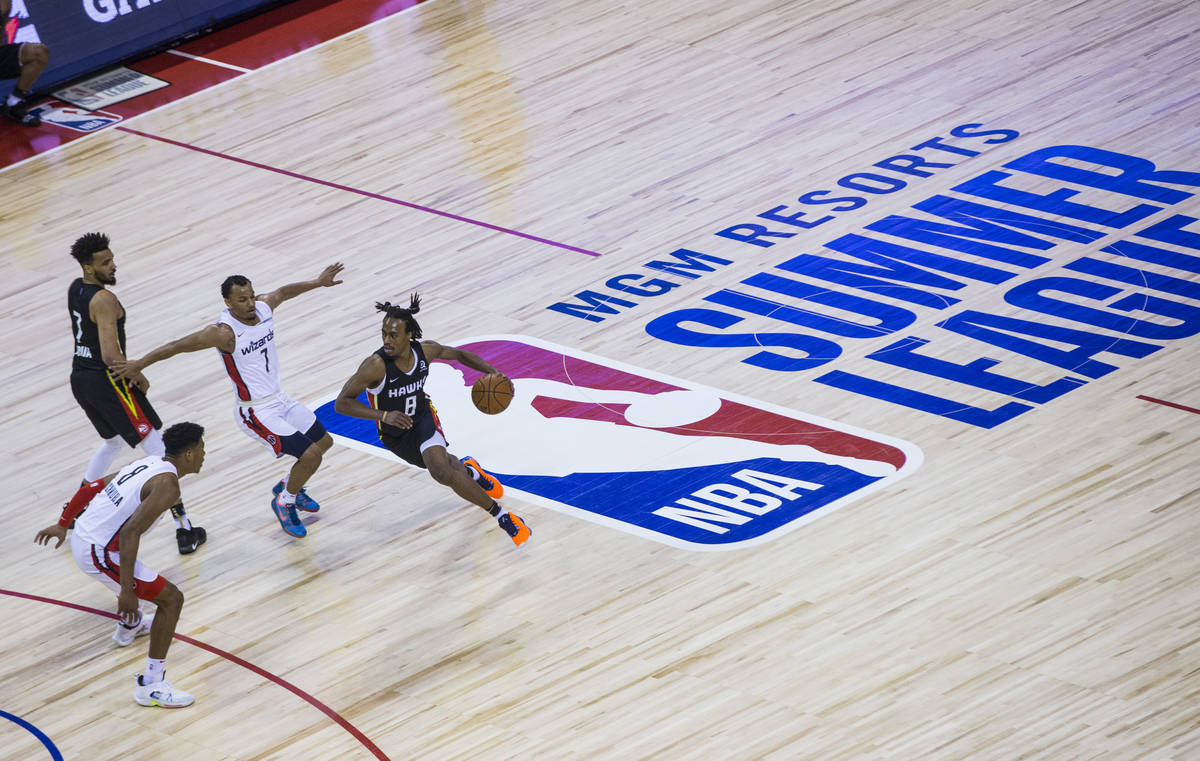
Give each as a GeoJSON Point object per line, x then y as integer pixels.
{"type": "Point", "coordinates": [491, 394]}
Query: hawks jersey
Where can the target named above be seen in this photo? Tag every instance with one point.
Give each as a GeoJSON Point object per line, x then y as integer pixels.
{"type": "Point", "coordinates": [87, 334]}
{"type": "Point", "coordinates": [399, 390]}
{"type": "Point", "coordinates": [253, 366]}
{"type": "Point", "coordinates": [107, 512]}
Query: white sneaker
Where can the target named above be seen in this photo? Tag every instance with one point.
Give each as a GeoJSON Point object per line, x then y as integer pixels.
{"type": "Point", "coordinates": [124, 636]}
{"type": "Point", "coordinates": [160, 694]}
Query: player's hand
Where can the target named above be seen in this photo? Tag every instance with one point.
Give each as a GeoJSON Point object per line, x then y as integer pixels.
{"type": "Point", "coordinates": [397, 419]}
{"type": "Point", "coordinates": [51, 532]}
{"type": "Point", "coordinates": [140, 382]}
{"type": "Point", "coordinates": [329, 275]}
{"type": "Point", "coordinates": [125, 368]}
{"type": "Point", "coordinates": [127, 606]}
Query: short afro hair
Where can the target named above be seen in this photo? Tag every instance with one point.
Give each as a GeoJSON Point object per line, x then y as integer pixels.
{"type": "Point", "coordinates": [88, 246]}
{"type": "Point", "coordinates": [181, 436]}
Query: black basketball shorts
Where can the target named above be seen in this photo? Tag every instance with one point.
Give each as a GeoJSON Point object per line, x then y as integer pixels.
{"type": "Point", "coordinates": [114, 406]}
{"type": "Point", "coordinates": [409, 445]}
{"type": "Point", "coordinates": [10, 61]}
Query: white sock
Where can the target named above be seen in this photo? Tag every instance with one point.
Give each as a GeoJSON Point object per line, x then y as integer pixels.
{"type": "Point", "coordinates": [286, 497]}
{"type": "Point", "coordinates": [179, 515]}
{"type": "Point", "coordinates": [12, 100]}
{"type": "Point", "coordinates": [156, 670]}
{"type": "Point", "coordinates": [103, 458]}
{"type": "Point", "coordinates": [153, 444]}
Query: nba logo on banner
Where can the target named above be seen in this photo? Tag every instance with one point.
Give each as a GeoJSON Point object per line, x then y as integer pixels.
{"type": "Point", "coordinates": [72, 118]}
{"type": "Point", "coordinates": [656, 456]}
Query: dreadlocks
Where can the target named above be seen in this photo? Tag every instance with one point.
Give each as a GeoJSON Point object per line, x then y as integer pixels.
{"type": "Point", "coordinates": [397, 312]}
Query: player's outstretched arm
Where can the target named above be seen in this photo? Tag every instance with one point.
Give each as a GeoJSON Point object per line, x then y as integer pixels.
{"type": "Point", "coordinates": [326, 279]}
{"type": "Point", "coordinates": [435, 350]}
{"type": "Point", "coordinates": [369, 374]}
{"type": "Point", "coordinates": [158, 495]}
{"type": "Point", "coordinates": [71, 511]}
{"type": "Point", "coordinates": [218, 336]}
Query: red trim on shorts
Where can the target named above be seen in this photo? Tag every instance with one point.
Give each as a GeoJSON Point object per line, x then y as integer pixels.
{"type": "Point", "coordinates": [114, 544]}
{"type": "Point", "coordinates": [437, 422]}
{"type": "Point", "coordinates": [145, 590]}
{"type": "Point", "coordinates": [129, 403]}
{"type": "Point", "coordinates": [243, 391]}
{"type": "Point", "coordinates": [254, 424]}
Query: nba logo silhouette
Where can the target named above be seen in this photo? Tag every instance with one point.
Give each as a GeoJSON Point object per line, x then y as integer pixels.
{"type": "Point", "coordinates": [653, 455]}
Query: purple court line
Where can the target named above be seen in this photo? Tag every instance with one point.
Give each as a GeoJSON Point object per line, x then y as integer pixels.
{"type": "Point", "coordinates": [349, 189]}
{"type": "Point", "coordinates": [1170, 404]}
{"type": "Point", "coordinates": [332, 714]}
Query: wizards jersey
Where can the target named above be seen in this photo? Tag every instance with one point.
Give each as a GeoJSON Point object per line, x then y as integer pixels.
{"type": "Point", "coordinates": [253, 366]}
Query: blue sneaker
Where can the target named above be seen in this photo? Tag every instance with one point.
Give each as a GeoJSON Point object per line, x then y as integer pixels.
{"type": "Point", "coordinates": [303, 501]}
{"type": "Point", "coordinates": [288, 518]}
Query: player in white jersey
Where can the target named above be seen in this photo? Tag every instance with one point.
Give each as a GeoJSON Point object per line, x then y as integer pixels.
{"type": "Point", "coordinates": [245, 336]}
{"type": "Point", "coordinates": [105, 544]}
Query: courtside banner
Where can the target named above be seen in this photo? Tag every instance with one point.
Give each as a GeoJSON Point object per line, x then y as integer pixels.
{"type": "Point", "coordinates": [661, 457]}
{"type": "Point", "coordinates": [88, 35]}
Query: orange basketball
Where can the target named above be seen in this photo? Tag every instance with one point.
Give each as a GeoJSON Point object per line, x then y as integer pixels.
{"type": "Point", "coordinates": [491, 394]}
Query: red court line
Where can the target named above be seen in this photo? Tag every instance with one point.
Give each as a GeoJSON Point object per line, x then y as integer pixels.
{"type": "Point", "coordinates": [332, 714]}
{"type": "Point", "coordinates": [365, 193]}
{"type": "Point", "coordinates": [1170, 404]}
{"type": "Point", "coordinates": [266, 38]}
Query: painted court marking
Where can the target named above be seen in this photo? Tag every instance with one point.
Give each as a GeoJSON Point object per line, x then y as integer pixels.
{"type": "Point", "coordinates": [202, 59]}
{"type": "Point", "coordinates": [55, 753]}
{"type": "Point", "coordinates": [285, 58]}
{"type": "Point", "coordinates": [1170, 404]}
{"type": "Point", "coordinates": [332, 714]}
{"type": "Point", "coordinates": [367, 194]}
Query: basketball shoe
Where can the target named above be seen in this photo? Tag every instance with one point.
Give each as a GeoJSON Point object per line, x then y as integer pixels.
{"type": "Point", "coordinates": [189, 539]}
{"type": "Point", "coordinates": [124, 636]}
{"type": "Point", "coordinates": [515, 527]}
{"type": "Point", "coordinates": [303, 501]}
{"type": "Point", "coordinates": [486, 481]}
{"type": "Point", "coordinates": [161, 694]}
{"type": "Point", "coordinates": [288, 518]}
{"type": "Point", "coordinates": [20, 115]}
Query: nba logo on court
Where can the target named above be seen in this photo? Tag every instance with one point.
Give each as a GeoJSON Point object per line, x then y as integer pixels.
{"type": "Point", "coordinates": [656, 456]}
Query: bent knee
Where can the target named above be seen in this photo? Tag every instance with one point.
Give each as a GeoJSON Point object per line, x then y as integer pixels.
{"type": "Point", "coordinates": [35, 52]}
{"type": "Point", "coordinates": [441, 473]}
{"type": "Point", "coordinates": [171, 597]}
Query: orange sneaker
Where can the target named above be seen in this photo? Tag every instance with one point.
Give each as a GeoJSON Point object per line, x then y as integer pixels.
{"type": "Point", "coordinates": [515, 527]}
{"type": "Point", "coordinates": [486, 481]}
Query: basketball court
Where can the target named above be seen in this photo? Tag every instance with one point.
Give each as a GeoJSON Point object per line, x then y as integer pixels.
{"type": "Point", "coordinates": [857, 406]}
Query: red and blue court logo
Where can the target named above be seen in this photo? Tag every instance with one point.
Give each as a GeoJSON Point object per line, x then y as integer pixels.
{"type": "Point", "coordinates": [72, 118]}
{"type": "Point", "coordinates": [661, 457]}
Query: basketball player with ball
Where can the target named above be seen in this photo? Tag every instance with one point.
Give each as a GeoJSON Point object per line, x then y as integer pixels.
{"type": "Point", "coordinates": [394, 380]}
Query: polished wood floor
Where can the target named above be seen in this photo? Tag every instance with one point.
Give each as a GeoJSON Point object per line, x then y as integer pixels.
{"type": "Point", "coordinates": [1030, 592]}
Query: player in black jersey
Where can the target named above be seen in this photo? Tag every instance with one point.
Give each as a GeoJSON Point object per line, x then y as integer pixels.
{"type": "Point", "coordinates": [394, 380]}
{"type": "Point", "coordinates": [117, 408]}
